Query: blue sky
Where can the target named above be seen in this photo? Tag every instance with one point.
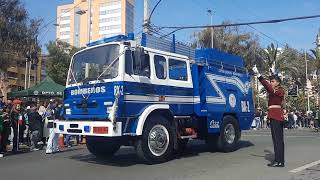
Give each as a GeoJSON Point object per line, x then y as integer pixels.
{"type": "Point", "coordinates": [298, 34]}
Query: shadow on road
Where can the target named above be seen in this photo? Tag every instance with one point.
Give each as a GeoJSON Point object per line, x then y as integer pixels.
{"type": "Point", "coordinates": [195, 149]}
{"type": "Point", "coordinates": [119, 160]}
{"type": "Point", "coordinates": [269, 156]}
{"type": "Point", "coordinates": [127, 156]}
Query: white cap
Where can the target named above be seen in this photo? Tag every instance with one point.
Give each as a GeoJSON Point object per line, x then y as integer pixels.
{"type": "Point", "coordinates": [28, 107]}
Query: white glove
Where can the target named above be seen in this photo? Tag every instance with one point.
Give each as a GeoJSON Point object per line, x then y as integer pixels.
{"type": "Point", "coordinates": [256, 71]}
{"type": "Point", "coordinates": [273, 70]}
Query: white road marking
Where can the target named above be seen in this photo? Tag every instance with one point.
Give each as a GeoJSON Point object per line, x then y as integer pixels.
{"type": "Point", "coordinates": [305, 167]}
{"type": "Point", "coordinates": [267, 135]}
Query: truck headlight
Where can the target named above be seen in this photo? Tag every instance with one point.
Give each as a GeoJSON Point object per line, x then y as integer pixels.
{"type": "Point", "coordinates": [68, 111]}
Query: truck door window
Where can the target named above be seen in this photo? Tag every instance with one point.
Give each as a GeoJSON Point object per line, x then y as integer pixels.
{"type": "Point", "coordinates": [160, 64]}
{"type": "Point", "coordinates": [140, 68]}
{"type": "Point", "coordinates": [143, 69]}
{"type": "Point", "coordinates": [178, 70]}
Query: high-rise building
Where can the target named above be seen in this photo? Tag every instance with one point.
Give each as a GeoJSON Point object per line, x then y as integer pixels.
{"type": "Point", "coordinates": [107, 18]}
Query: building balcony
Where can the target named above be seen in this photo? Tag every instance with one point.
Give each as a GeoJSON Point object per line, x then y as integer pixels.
{"type": "Point", "coordinates": [13, 80]}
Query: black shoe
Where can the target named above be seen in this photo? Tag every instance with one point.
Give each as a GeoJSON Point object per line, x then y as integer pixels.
{"type": "Point", "coordinates": [272, 164]}
{"type": "Point", "coordinates": [279, 165]}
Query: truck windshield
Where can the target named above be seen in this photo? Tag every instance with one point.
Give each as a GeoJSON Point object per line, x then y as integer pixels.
{"type": "Point", "coordinates": [88, 65]}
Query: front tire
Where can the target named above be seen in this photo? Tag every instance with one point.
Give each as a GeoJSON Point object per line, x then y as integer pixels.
{"type": "Point", "coordinates": [157, 140]}
{"type": "Point", "coordinates": [103, 147]}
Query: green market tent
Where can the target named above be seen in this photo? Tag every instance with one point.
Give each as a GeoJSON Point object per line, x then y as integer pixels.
{"type": "Point", "coordinates": [46, 88]}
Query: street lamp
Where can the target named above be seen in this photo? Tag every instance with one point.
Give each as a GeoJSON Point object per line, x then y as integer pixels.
{"type": "Point", "coordinates": [81, 12]}
{"type": "Point", "coordinates": [210, 12]}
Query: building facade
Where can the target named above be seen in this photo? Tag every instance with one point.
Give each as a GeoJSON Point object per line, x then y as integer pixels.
{"type": "Point", "coordinates": [107, 18]}
{"type": "Point", "coordinates": [22, 75]}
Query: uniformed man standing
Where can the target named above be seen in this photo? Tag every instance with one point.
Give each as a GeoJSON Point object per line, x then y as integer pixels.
{"type": "Point", "coordinates": [275, 115]}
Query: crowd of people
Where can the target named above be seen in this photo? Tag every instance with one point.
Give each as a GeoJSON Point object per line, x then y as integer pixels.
{"type": "Point", "coordinates": [29, 123]}
{"type": "Point", "coordinates": [292, 119]}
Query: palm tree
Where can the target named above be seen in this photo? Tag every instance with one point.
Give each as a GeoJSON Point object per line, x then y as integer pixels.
{"type": "Point", "coordinates": [316, 63]}
{"type": "Point", "coordinates": [287, 62]}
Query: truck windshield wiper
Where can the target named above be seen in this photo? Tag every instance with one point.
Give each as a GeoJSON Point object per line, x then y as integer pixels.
{"type": "Point", "coordinates": [88, 79]}
{"type": "Point", "coordinates": [110, 65]}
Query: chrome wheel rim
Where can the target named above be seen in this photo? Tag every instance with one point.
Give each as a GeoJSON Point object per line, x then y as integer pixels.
{"type": "Point", "coordinates": [158, 140]}
{"type": "Point", "coordinates": [229, 133]}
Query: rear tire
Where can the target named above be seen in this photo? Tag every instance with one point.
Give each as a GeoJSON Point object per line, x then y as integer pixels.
{"type": "Point", "coordinates": [157, 141]}
{"type": "Point", "coordinates": [228, 140]}
{"type": "Point", "coordinates": [103, 147]}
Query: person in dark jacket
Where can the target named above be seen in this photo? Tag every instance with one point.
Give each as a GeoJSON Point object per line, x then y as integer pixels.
{"type": "Point", "coordinates": [6, 131]}
{"type": "Point", "coordinates": [275, 115]}
{"type": "Point", "coordinates": [1, 130]}
{"type": "Point", "coordinates": [35, 125]}
{"type": "Point", "coordinates": [16, 119]}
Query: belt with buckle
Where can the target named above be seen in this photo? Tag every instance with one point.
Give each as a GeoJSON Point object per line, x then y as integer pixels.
{"type": "Point", "coordinates": [274, 107]}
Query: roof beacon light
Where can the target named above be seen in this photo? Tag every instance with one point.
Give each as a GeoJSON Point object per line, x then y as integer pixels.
{"type": "Point", "coordinates": [117, 38]}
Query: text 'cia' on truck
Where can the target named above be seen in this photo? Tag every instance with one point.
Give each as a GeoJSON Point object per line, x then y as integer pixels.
{"type": "Point", "coordinates": [156, 96]}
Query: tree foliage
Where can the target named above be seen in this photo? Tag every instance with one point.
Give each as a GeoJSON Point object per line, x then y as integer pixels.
{"type": "Point", "coordinates": [231, 40]}
{"type": "Point", "coordinates": [18, 37]}
{"type": "Point", "coordinates": [60, 54]}
{"type": "Point", "coordinates": [287, 61]}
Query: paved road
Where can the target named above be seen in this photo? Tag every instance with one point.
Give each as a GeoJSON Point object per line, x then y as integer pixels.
{"type": "Point", "coordinates": [249, 162]}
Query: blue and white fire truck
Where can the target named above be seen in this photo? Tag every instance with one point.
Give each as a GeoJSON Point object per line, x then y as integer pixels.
{"type": "Point", "coordinates": [155, 97]}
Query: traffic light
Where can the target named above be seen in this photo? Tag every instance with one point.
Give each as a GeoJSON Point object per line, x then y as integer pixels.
{"type": "Point", "coordinates": [293, 90]}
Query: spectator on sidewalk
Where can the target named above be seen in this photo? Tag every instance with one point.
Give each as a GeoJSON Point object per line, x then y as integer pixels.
{"type": "Point", "coordinates": [2, 104]}
{"type": "Point", "coordinates": [6, 129]}
{"type": "Point", "coordinates": [16, 117]}
{"type": "Point", "coordinates": [35, 125]}
{"type": "Point", "coordinates": [290, 119]}
{"type": "Point", "coordinates": [1, 130]}
{"type": "Point", "coordinates": [295, 120]}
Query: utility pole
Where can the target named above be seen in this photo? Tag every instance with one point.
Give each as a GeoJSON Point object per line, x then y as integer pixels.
{"type": "Point", "coordinates": [317, 51]}
{"type": "Point", "coordinates": [29, 74]}
{"type": "Point", "coordinates": [210, 12]}
{"type": "Point", "coordinates": [25, 74]}
{"type": "Point", "coordinates": [305, 57]}
{"type": "Point", "coordinates": [89, 20]}
{"type": "Point", "coordinates": [146, 16]}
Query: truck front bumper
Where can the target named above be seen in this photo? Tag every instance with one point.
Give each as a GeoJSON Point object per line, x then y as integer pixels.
{"type": "Point", "coordinates": [88, 128]}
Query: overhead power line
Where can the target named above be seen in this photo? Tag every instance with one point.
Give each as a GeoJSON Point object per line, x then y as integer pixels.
{"type": "Point", "coordinates": [55, 19]}
{"type": "Point", "coordinates": [154, 8]}
{"type": "Point", "coordinates": [254, 28]}
{"type": "Point", "coordinates": [273, 21]}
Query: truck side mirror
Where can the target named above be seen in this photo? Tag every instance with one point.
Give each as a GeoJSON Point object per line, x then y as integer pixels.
{"type": "Point", "coordinates": [128, 62]}
{"type": "Point", "coordinates": [139, 57]}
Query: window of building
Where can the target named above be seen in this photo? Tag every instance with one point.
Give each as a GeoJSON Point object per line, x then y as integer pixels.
{"type": "Point", "coordinates": [64, 25]}
{"type": "Point", "coordinates": [111, 3]}
{"type": "Point", "coordinates": [103, 28]}
{"type": "Point", "coordinates": [65, 10]}
{"type": "Point", "coordinates": [64, 18]}
{"type": "Point", "coordinates": [64, 33]}
{"type": "Point", "coordinates": [178, 70]}
{"type": "Point", "coordinates": [65, 40]}
{"type": "Point", "coordinates": [103, 12]}
{"type": "Point", "coordinates": [103, 20]}
{"type": "Point", "coordinates": [160, 64]}
{"type": "Point", "coordinates": [113, 11]}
